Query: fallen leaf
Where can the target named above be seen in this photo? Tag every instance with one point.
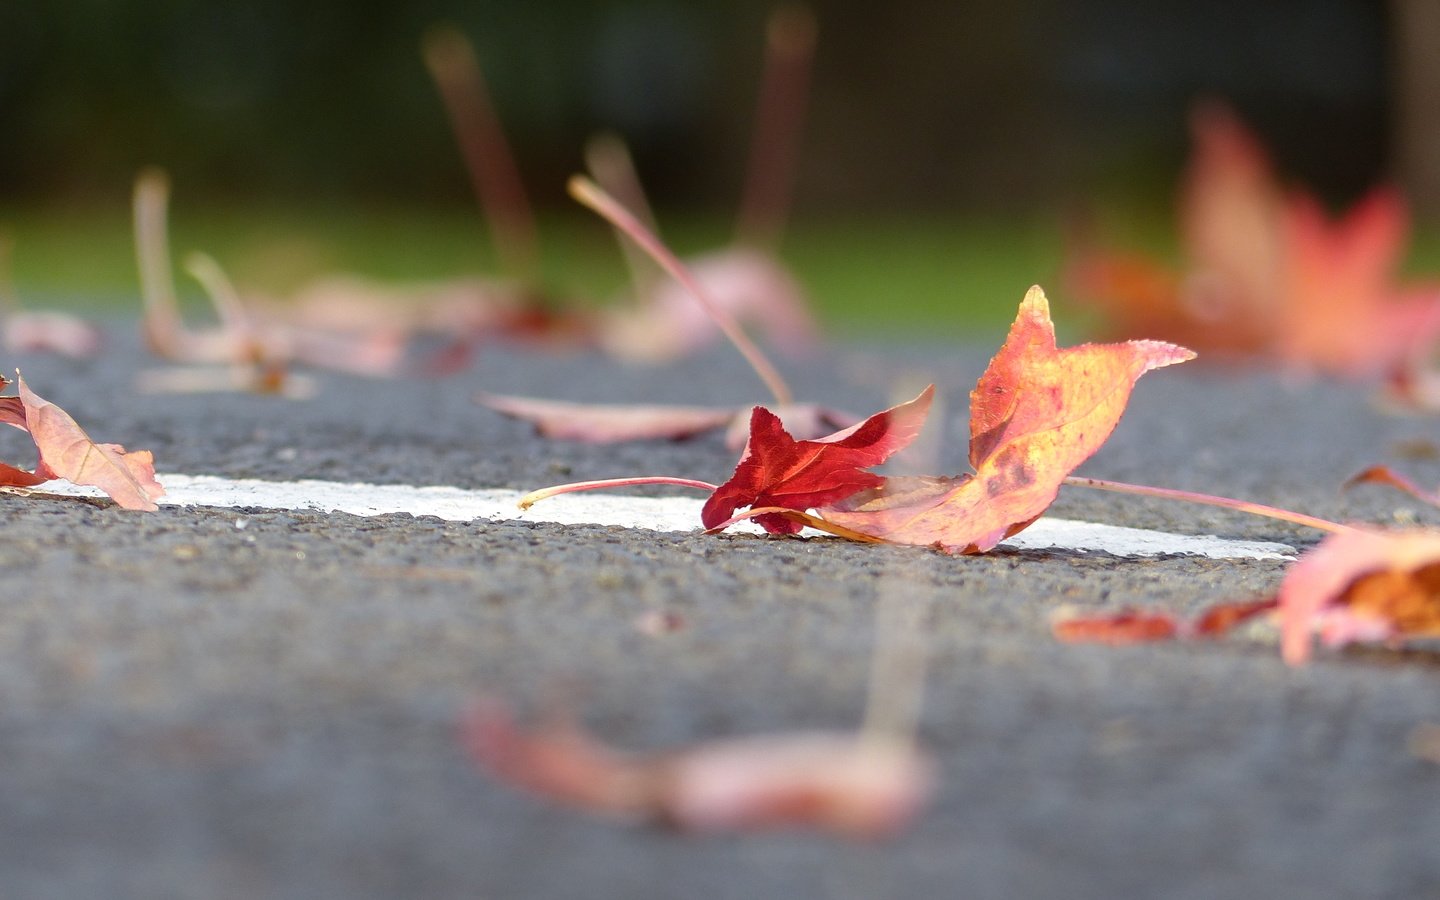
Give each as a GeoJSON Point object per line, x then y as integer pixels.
{"type": "Point", "coordinates": [606, 423]}
{"type": "Point", "coordinates": [1036, 414]}
{"type": "Point", "coordinates": [1357, 585]}
{"type": "Point", "coordinates": [1268, 273]}
{"type": "Point", "coordinates": [1361, 585]}
{"type": "Point", "coordinates": [39, 330]}
{"type": "Point", "coordinates": [51, 332]}
{"type": "Point", "coordinates": [776, 470]}
{"type": "Point", "coordinates": [1127, 627]}
{"type": "Point", "coordinates": [602, 423]}
{"type": "Point", "coordinates": [830, 782]}
{"type": "Point", "coordinates": [1388, 476]}
{"type": "Point", "coordinates": [66, 451]}
{"type": "Point", "coordinates": [1133, 627]}
{"type": "Point", "coordinates": [1343, 312]}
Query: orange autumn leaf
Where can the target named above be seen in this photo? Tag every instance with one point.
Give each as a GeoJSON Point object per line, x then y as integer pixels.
{"type": "Point", "coordinates": [66, 451]}
{"type": "Point", "coordinates": [1342, 311]}
{"type": "Point", "coordinates": [840, 783]}
{"type": "Point", "coordinates": [1267, 272]}
{"type": "Point", "coordinates": [1133, 627]}
{"type": "Point", "coordinates": [1357, 585]}
{"type": "Point", "coordinates": [1388, 476]}
{"type": "Point", "coordinates": [1036, 414]}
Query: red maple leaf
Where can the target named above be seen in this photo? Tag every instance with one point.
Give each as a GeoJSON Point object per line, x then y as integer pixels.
{"type": "Point", "coordinates": [778, 471]}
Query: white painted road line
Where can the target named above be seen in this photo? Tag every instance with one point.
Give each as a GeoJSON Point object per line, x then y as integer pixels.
{"type": "Point", "coordinates": [653, 513]}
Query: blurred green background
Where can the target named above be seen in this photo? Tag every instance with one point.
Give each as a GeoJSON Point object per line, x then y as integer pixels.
{"type": "Point", "coordinates": [945, 144]}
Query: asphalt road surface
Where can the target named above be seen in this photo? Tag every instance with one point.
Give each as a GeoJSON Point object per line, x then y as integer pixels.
{"type": "Point", "coordinates": [252, 703]}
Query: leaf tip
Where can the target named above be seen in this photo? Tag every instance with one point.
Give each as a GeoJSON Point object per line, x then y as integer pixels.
{"type": "Point", "coordinates": [1158, 354]}
{"type": "Point", "coordinates": [1035, 302]}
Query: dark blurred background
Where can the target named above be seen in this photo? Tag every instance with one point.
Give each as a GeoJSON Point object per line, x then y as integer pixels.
{"type": "Point", "coordinates": [915, 104]}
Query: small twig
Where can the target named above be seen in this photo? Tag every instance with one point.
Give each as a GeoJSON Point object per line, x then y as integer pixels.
{"type": "Point", "coordinates": [1255, 509]}
{"type": "Point", "coordinates": [588, 193]}
{"type": "Point", "coordinates": [534, 497]}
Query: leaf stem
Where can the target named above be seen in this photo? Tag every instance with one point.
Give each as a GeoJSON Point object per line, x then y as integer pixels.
{"type": "Point", "coordinates": [1256, 509]}
{"type": "Point", "coordinates": [534, 497]}
{"type": "Point", "coordinates": [591, 195]}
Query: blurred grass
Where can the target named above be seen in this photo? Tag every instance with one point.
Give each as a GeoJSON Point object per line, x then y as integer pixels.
{"type": "Point", "coordinates": [890, 277]}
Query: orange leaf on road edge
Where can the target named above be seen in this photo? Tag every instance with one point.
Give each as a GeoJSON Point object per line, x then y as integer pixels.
{"type": "Point", "coordinates": [841, 783]}
{"type": "Point", "coordinates": [1037, 413]}
{"type": "Point", "coordinates": [1362, 586]}
{"type": "Point", "coordinates": [1134, 627]}
{"type": "Point", "coordinates": [66, 451]}
{"type": "Point", "coordinates": [1357, 585]}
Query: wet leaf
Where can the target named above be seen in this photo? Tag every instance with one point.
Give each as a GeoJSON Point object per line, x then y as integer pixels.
{"type": "Point", "coordinates": [601, 423]}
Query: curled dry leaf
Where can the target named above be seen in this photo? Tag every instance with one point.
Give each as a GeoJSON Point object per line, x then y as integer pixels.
{"type": "Point", "coordinates": [66, 451]}
{"type": "Point", "coordinates": [602, 423]}
{"type": "Point", "coordinates": [776, 470]}
{"type": "Point", "coordinates": [1037, 413]}
{"type": "Point", "coordinates": [607, 423]}
{"type": "Point", "coordinates": [830, 782]}
{"type": "Point", "coordinates": [1388, 476]}
{"type": "Point", "coordinates": [1133, 626]}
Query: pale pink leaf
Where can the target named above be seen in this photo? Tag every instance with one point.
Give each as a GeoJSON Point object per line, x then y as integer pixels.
{"type": "Point", "coordinates": [66, 451]}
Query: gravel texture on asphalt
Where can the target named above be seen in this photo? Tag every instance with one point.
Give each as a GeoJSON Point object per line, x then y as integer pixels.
{"type": "Point", "coordinates": [218, 703]}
